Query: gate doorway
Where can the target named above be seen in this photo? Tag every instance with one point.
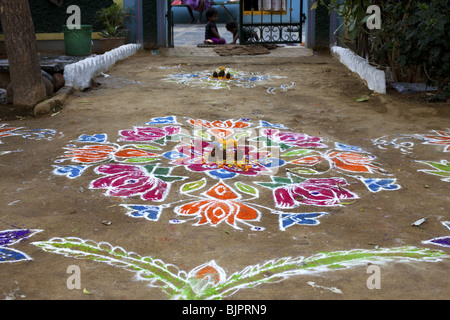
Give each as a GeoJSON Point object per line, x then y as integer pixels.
{"type": "Point", "coordinates": [274, 21]}
{"type": "Point", "coordinates": [183, 28]}
{"type": "Point", "coordinates": [271, 21]}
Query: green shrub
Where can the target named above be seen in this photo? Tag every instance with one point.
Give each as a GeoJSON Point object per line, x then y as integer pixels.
{"type": "Point", "coordinates": [415, 37]}
{"type": "Point", "coordinates": [413, 40]}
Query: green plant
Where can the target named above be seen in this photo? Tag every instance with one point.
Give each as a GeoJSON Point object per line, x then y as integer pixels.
{"type": "Point", "coordinates": [112, 19]}
{"type": "Point", "coordinates": [111, 31]}
{"type": "Point", "coordinates": [210, 281]}
{"type": "Point", "coordinates": [413, 40]}
{"type": "Point", "coordinates": [352, 14]}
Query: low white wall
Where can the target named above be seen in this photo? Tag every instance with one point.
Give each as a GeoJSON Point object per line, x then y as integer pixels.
{"type": "Point", "coordinates": [375, 79]}
{"type": "Point", "coordinates": [79, 75]}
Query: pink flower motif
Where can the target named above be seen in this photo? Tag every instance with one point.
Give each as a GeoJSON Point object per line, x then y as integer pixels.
{"type": "Point", "coordinates": [294, 139]}
{"type": "Point", "coordinates": [147, 133]}
{"type": "Point", "coordinates": [316, 192]}
{"type": "Point", "coordinates": [128, 180]}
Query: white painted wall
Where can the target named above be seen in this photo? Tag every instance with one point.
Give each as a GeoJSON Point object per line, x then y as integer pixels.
{"type": "Point", "coordinates": [79, 75]}
{"type": "Point", "coordinates": [375, 78]}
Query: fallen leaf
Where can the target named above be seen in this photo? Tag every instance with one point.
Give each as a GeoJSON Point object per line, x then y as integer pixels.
{"type": "Point", "coordinates": [85, 291]}
{"type": "Point", "coordinates": [362, 98]}
{"type": "Point", "coordinates": [347, 202]}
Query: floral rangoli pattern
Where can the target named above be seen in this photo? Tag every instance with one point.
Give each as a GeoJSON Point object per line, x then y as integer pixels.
{"type": "Point", "coordinates": [406, 142]}
{"type": "Point", "coordinates": [12, 237]}
{"type": "Point", "coordinates": [29, 134]}
{"type": "Point", "coordinates": [224, 168]}
{"type": "Point", "coordinates": [226, 78]}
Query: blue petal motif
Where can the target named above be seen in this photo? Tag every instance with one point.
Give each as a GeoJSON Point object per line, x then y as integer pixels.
{"type": "Point", "coordinates": [173, 155]}
{"type": "Point", "coordinates": [163, 120]}
{"type": "Point", "coordinates": [96, 138]}
{"type": "Point", "coordinates": [144, 211]}
{"type": "Point", "coordinates": [272, 162]}
{"type": "Point", "coordinates": [37, 134]}
{"type": "Point", "coordinates": [9, 237]}
{"type": "Point", "coordinates": [71, 171]}
{"type": "Point", "coordinates": [266, 124]}
{"type": "Point", "coordinates": [346, 147]}
{"type": "Point", "coordinates": [441, 241]}
{"type": "Point", "coordinates": [376, 184]}
{"type": "Point", "coordinates": [221, 174]}
{"type": "Point", "coordinates": [289, 219]}
{"type": "Point", "coordinates": [11, 255]}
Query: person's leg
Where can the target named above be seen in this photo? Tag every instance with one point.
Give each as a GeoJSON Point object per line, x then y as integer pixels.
{"type": "Point", "coordinates": [191, 14]}
{"type": "Point", "coordinates": [188, 4]}
{"type": "Point", "coordinates": [200, 9]}
{"type": "Point", "coordinates": [218, 41]}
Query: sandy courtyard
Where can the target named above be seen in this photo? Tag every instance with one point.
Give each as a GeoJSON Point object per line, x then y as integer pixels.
{"type": "Point", "coordinates": [323, 188]}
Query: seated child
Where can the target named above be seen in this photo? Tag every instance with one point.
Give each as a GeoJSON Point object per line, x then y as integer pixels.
{"type": "Point", "coordinates": [211, 32]}
{"type": "Point", "coordinates": [232, 26]}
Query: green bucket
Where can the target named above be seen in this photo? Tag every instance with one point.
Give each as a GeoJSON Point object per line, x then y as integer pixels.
{"type": "Point", "coordinates": [78, 41]}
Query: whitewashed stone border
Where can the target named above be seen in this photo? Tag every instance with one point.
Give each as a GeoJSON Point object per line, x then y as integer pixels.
{"type": "Point", "coordinates": [375, 78]}
{"type": "Point", "coordinates": [79, 75]}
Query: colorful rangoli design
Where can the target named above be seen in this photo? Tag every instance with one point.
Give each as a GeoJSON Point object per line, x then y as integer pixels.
{"type": "Point", "coordinates": [443, 241]}
{"type": "Point", "coordinates": [30, 134]}
{"type": "Point", "coordinates": [405, 143]}
{"type": "Point", "coordinates": [12, 237]}
{"type": "Point", "coordinates": [210, 281]}
{"type": "Point", "coordinates": [33, 134]}
{"type": "Point", "coordinates": [225, 168]}
{"type": "Point", "coordinates": [226, 78]}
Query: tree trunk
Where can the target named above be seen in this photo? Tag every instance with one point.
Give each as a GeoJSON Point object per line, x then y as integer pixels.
{"type": "Point", "coordinates": [21, 49]}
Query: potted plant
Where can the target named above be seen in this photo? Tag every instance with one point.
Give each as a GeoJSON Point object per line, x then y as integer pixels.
{"type": "Point", "coordinates": [112, 20]}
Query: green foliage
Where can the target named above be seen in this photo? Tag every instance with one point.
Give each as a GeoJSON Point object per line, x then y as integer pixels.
{"type": "Point", "coordinates": [353, 14]}
{"type": "Point", "coordinates": [113, 20]}
{"type": "Point", "coordinates": [110, 31]}
{"type": "Point", "coordinates": [413, 40]}
{"type": "Point", "coordinates": [414, 37]}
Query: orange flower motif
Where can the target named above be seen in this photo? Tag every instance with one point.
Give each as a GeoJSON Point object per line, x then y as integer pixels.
{"type": "Point", "coordinates": [6, 132]}
{"type": "Point", "coordinates": [90, 154]}
{"type": "Point", "coordinates": [442, 138]}
{"type": "Point", "coordinates": [308, 161]}
{"type": "Point", "coordinates": [98, 153]}
{"type": "Point", "coordinates": [134, 153]}
{"type": "Point", "coordinates": [353, 162]}
{"type": "Point", "coordinates": [228, 124]}
{"type": "Point", "coordinates": [209, 272]}
{"type": "Point", "coordinates": [222, 206]}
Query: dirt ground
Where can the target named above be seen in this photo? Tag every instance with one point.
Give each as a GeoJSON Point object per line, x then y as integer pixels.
{"type": "Point", "coordinates": [321, 103]}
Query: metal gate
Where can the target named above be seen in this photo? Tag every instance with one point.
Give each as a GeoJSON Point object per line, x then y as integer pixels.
{"type": "Point", "coordinates": [271, 21]}
{"type": "Point", "coordinates": [170, 24]}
